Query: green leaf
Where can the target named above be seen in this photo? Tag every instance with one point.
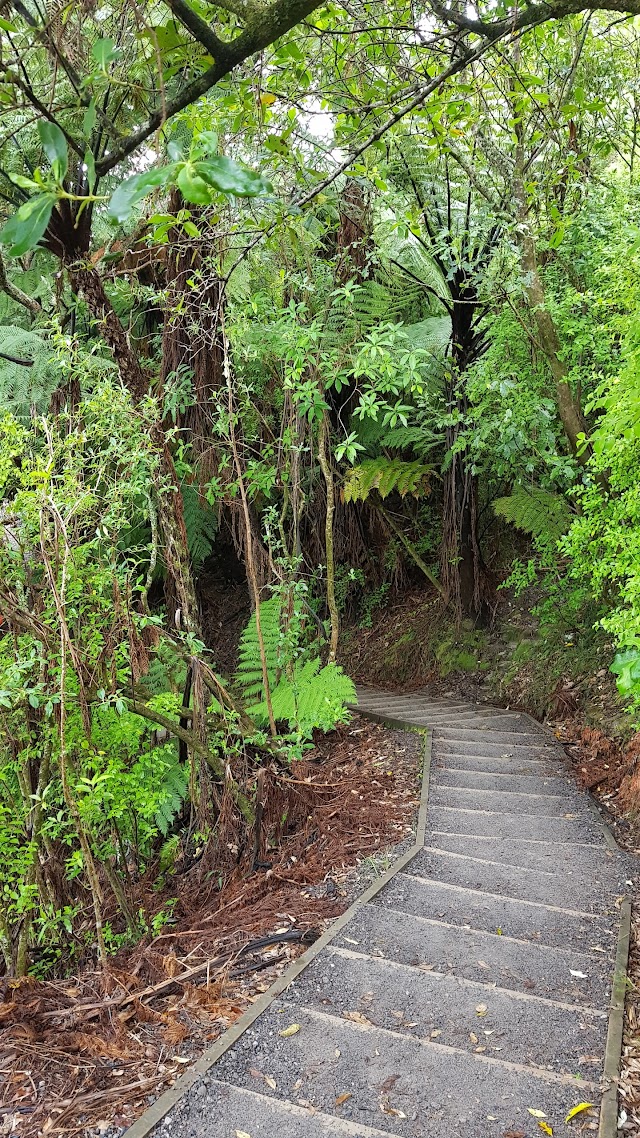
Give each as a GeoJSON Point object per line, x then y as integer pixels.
{"type": "Point", "coordinates": [24, 183]}
{"type": "Point", "coordinates": [205, 144]}
{"type": "Point", "coordinates": [192, 187]}
{"type": "Point", "coordinates": [54, 145]}
{"type": "Point", "coordinates": [7, 27]}
{"type": "Point", "coordinates": [24, 230]}
{"type": "Point", "coordinates": [134, 189]}
{"type": "Point", "coordinates": [175, 151]}
{"type": "Point", "coordinates": [90, 163]}
{"type": "Point", "coordinates": [227, 176]}
{"type": "Point", "coordinates": [89, 120]}
{"type": "Point", "coordinates": [105, 52]}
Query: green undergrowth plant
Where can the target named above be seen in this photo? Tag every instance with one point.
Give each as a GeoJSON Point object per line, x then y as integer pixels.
{"type": "Point", "coordinates": [305, 693]}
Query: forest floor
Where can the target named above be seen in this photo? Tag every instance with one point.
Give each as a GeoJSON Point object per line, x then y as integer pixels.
{"type": "Point", "coordinates": [88, 1053]}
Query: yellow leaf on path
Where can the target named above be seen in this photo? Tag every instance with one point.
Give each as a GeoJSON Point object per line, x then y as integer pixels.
{"type": "Point", "coordinates": [343, 1098]}
{"type": "Point", "coordinates": [292, 1029]}
{"type": "Point", "coordinates": [536, 1113]}
{"type": "Point", "coordinates": [577, 1110]}
{"type": "Point", "coordinates": [473, 1037]}
{"type": "Point", "coordinates": [481, 1009]}
{"type": "Point", "coordinates": [270, 1082]}
{"type": "Point", "coordinates": [242, 1134]}
{"type": "Point", "coordinates": [544, 1126]}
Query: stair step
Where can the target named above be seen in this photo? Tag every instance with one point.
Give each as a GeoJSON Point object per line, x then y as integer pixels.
{"type": "Point", "coordinates": [587, 863]}
{"type": "Point", "coordinates": [513, 738]}
{"type": "Point", "coordinates": [439, 1089]}
{"type": "Point", "coordinates": [556, 785]}
{"type": "Point", "coordinates": [522, 1027]}
{"type": "Point", "coordinates": [473, 954]}
{"type": "Point", "coordinates": [482, 748]}
{"type": "Point", "coordinates": [455, 821]}
{"type": "Point", "coordinates": [228, 1108]}
{"type": "Point", "coordinates": [516, 917]}
{"type": "Point", "coordinates": [540, 768]}
{"type": "Point", "coordinates": [509, 802]}
{"type": "Point", "coordinates": [510, 881]}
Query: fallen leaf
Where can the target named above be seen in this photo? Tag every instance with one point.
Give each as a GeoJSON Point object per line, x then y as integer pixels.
{"type": "Point", "coordinates": [292, 1029]}
{"type": "Point", "coordinates": [577, 1110]}
{"type": "Point", "coordinates": [481, 1009]}
{"type": "Point", "coordinates": [356, 1017]}
{"type": "Point", "coordinates": [536, 1113]}
{"type": "Point", "coordinates": [580, 975]}
{"type": "Point", "coordinates": [337, 1052]}
{"type": "Point", "coordinates": [546, 1129]}
{"type": "Point", "coordinates": [473, 1037]}
{"type": "Point", "coordinates": [479, 1050]}
{"type": "Point", "coordinates": [270, 1082]}
{"type": "Point", "coordinates": [483, 964]}
{"type": "Point", "coordinates": [242, 1134]}
{"type": "Point", "coordinates": [513, 1134]}
{"type": "Point", "coordinates": [436, 1033]}
{"type": "Point", "coordinates": [389, 1083]}
{"type": "Point", "coordinates": [341, 1099]}
{"type": "Point", "coordinates": [392, 1110]}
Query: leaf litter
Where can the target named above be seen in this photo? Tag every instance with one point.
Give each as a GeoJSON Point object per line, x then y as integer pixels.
{"type": "Point", "coordinates": [92, 1051]}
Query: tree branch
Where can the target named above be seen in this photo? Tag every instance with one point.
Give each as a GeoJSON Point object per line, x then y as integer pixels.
{"type": "Point", "coordinates": [262, 29]}
{"type": "Point", "coordinates": [17, 294]}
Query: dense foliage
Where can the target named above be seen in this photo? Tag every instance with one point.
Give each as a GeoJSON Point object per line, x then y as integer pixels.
{"type": "Point", "coordinates": [342, 299]}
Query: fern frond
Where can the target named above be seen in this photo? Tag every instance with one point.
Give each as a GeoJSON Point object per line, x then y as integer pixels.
{"type": "Point", "coordinates": [316, 697]}
{"type": "Point", "coordinates": [537, 512]}
{"type": "Point", "coordinates": [386, 475]}
{"type": "Point", "coordinates": [200, 523]}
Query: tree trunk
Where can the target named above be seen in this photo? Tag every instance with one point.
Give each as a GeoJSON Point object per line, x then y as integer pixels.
{"type": "Point", "coordinates": [85, 279]}
{"type": "Point", "coordinates": [324, 457]}
{"type": "Point", "coordinates": [568, 408]}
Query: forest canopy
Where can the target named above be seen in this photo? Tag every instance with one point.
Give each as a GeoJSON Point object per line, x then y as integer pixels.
{"type": "Point", "coordinates": [336, 299]}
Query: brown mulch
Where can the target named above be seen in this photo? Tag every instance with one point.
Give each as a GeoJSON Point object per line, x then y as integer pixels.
{"type": "Point", "coordinates": [87, 1054]}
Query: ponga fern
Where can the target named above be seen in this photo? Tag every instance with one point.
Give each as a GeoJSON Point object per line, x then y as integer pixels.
{"type": "Point", "coordinates": [386, 475]}
{"type": "Point", "coordinates": [304, 693]}
{"type": "Point", "coordinates": [173, 782]}
{"type": "Point", "coordinates": [314, 696]}
{"type": "Point", "coordinates": [200, 523]}
{"type": "Point", "coordinates": [249, 671]}
{"type": "Point", "coordinates": [537, 512]}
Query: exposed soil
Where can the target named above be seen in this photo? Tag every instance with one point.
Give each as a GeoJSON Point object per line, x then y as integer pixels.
{"type": "Point", "coordinates": [88, 1054]}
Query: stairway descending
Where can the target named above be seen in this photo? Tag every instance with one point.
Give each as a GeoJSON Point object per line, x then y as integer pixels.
{"type": "Point", "coordinates": [474, 989]}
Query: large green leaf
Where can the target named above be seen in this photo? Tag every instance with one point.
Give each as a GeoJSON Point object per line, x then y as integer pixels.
{"type": "Point", "coordinates": [54, 145]}
{"type": "Point", "coordinates": [227, 176]}
{"type": "Point", "coordinates": [134, 189]}
{"type": "Point", "coordinates": [24, 230]}
{"type": "Point", "coordinates": [192, 187]}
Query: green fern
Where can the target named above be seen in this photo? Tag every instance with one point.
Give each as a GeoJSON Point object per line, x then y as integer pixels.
{"type": "Point", "coordinates": [249, 670]}
{"type": "Point", "coordinates": [537, 512]}
{"type": "Point", "coordinates": [306, 696]}
{"type": "Point", "coordinates": [173, 791]}
{"type": "Point", "coordinates": [386, 475]}
{"type": "Point", "coordinates": [200, 522]}
{"type": "Point", "coordinates": [316, 697]}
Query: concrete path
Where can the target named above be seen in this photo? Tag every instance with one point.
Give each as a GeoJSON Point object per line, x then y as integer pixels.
{"type": "Point", "coordinates": [474, 989]}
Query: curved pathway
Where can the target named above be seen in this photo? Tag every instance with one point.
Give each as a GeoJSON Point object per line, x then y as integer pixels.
{"type": "Point", "coordinates": [473, 989]}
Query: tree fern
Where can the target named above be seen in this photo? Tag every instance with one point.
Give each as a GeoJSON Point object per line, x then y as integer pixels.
{"type": "Point", "coordinates": [315, 697]}
{"type": "Point", "coordinates": [305, 694]}
{"type": "Point", "coordinates": [172, 790]}
{"type": "Point", "coordinates": [386, 475]}
{"type": "Point", "coordinates": [537, 512]}
{"type": "Point", "coordinates": [200, 522]}
{"type": "Point", "coordinates": [249, 670]}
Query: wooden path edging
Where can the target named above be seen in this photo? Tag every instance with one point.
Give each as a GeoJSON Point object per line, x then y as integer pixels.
{"type": "Point", "coordinates": [148, 1121]}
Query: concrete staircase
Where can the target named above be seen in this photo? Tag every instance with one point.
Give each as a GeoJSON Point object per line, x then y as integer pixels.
{"type": "Point", "coordinates": [474, 989]}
